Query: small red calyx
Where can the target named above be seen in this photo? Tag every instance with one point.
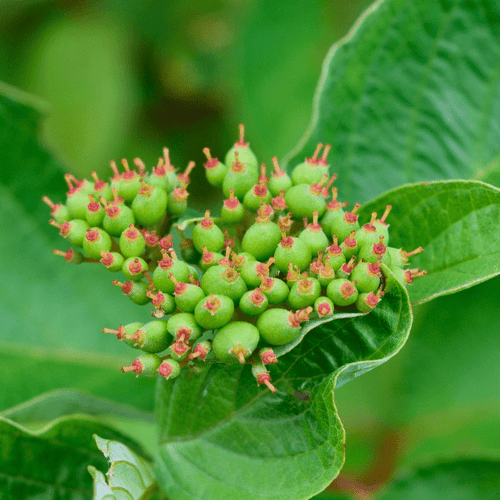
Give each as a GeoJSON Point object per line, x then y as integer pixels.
{"type": "Point", "coordinates": [322, 161]}
{"type": "Point", "coordinates": [334, 249]}
{"type": "Point", "coordinates": [93, 206]}
{"type": "Point", "coordinates": [232, 203]}
{"type": "Point", "coordinates": [77, 187]}
{"type": "Point", "coordinates": [179, 348]}
{"type": "Point", "coordinates": [352, 217]}
{"type": "Point", "coordinates": [327, 271]}
{"type": "Point", "coordinates": [226, 261]}
{"type": "Point", "coordinates": [348, 267]}
{"type": "Point", "coordinates": [264, 213]}
{"type": "Point", "coordinates": [113, 211]}
{"type": "Point", "coordinates": [135, 267]}
{"type": "Point", "coordinates": [211, 162]}
{"type": "Point", "coordinates": [131, 234]}
{"type": "Point", "coordinates": [64, 229]}
{"type": "Point", "coordinates": [277, 170]}
{"type": "Point", "coordinates": [411, 274]}
{"type": "Point", "coordinates": [157, 299]}
{"type": "Point", "coordinates": [326, 189]}
{"type": "Point", "coordinates": [165, 370]}
{"type": "Point", "coordinates": [166, 263]}
{"type": "Point", "coordinates": [207, 222]}
{"type": "Point", "coordinates": [69, 256]}
{"type": "Point", "coordinates": [120, 333]}
{"type": "Point", "coordinates": [184, 176]}
{"type": "Point", "coordinates": [260, 190]}
{"type": "Point", "coordinates": [126, 287]}
{"type": "Point", "coordinates": [374, 269]}
{"type": "Point", "coordinates": [128, 175]}
{"type": "Point", "coordinates": [199, 351]}
{"type": "Point", "coordinates": [230, 275]}
{"type": "Point", "coordinates": [107, 258]}
{"type": "Point", "coordinates": [207, 257]}
{"type": "Point", "coordinates": [265, 379]}
{"type": "Point", "coordinates": [292, 275]}
{"type": "Point", "coordinates": [351, 241]}
{"type": "Point", "coordinates": [262, 269]}
{"type": "Point", "coordinates": [266, 284]}
{"type": "Point", "coordinates": [151, 239]}
{"type": "Point", "coordinates": [370, 228]}
{"type": "Point", "coordinates": [263, 179]}
{"type": "Point", "coordinates": [313, 161]}
{"type": "Point", "coordinates": [212, 304]}
{"type": "Point", "coordinates": [192, 281]}
{"type": "Point", "coordinates": [136, 367]}
{"type": "Point", "coordinates": [317, 264]}
{"type": "Point", "coordinates": [257, 297]}
{"type": "Point", "coordinates": [314, 226]}
{"type": "Point", "coordinates": [146, 190]}
{"type": "Point", "coordinates": [267, 356]}
{"type": "Point", "coordinates": [116, 174]}
{"type": "Point", "coordinates": [334, 204]}
{"type": "Point", "coordinates": [316, 188]}
{"type": "Point", "coordinates": [180, 194]}
{"type": "Point", "coordinates": [239, 352]}
{"type": "Point", "coordinates": [379, 248]}
{"type": "Point", "coordinates": [286, 241]}
{"type": "Point", "coordinates": [304, 285]}
{"type": "Point", "coordinates": [237, 167]}
{"type": "Point", "coordinates": [54, 207]}
{"type": "Point", "coordinates": [98, 184]}
{"type": "Point", "coordinates": [279, 202]}
{"type": "Point", "coordinates": [372, 299]}
{"type": "Point", "coordinates": [183, 334]}
{"type": "Point", "coordinates": [324, 309]}
{"type": "Point", "coordinates": [347, 289]}
{"type": "Point", "coordinates": [166, 166]}
{"type": "Point", "coordinates": [241, 140]}
{"type": "Point", "coordinates": [285, 222]}
{"type": "Point", "coordinates": [92, 235]}
{"type": "Point", "coordinates": [295, 319]}
{"type": "Point", "coordinates": [180, 288]}
{"type": "Point", "coordinates": [166, 243]}
{"type": "Point", "coordinates": [388, 208]}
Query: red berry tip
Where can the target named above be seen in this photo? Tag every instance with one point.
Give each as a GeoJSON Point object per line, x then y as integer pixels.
{"type": "Point", "coordinates": [212, 304]}
{"type": "Point", "coordinates": [136, 367]}
{"type": "Point", "coordinates": [69, 255]}
{"type": "Point", "coordinates": [277, 170]}
{"type": "Point", "coordinates": [267, 356]}
{"type": "Point", "coordinates": [265, 379]}
{"type": "Point", "coordinates": [166, 243]}
{"type": "Point", "coordinates": [324, 309]}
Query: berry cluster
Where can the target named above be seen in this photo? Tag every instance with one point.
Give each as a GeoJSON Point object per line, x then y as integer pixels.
{"type": "Point", "coordinates": [283, 251]}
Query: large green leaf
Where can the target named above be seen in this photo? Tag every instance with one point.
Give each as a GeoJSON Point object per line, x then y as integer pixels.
{"type": "Point", "coordinates": [411, 94]}
{"type": "Point", "coordinates": [52, 313]}
{"type": "Point", "coordinates": [52, 462]}
{"type": "Point", "coordinates": [465, 479]}
{"type": "Point", "coordinates": [457, 224]}
{"type": "Point", "coordinates": [221, 436]}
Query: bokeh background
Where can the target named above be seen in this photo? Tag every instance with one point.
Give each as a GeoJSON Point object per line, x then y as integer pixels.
{"type": "Point", "coordinates": [125, 79]}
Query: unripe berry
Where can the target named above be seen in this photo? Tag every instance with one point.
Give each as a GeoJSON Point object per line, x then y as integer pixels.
{"type": "Point", "coordinates": [279, 203]}
{"type": "Point", "coordinates": [336, 256]}
{"type": "Point", "coordinates": [219, 280]}
{"type": "Point", "coordinates": [323, 307]}
{"type": "Point", "coordinates": [163, 303]}
{"type": "Point", "coordinates": [258, 194]}
{"type": "Point", "coordinates": [304, 200]}
{"type": "Point", "coordinates": [304, 292]}
{"type": "Point", "coordinates": [209, 259]}
{"type": "Point", "coordinates": [163, 175]}
{"type": "Point", "coordinates": [149, 205]}
{"type": "Point", "coordinates": [311, 170]}
{"type": "Point", "coordinates": [184, 327]}
{"type": "Point", "coordinates": [232, 210]}
{"type": "Point", "coordinates": [201, 350]}
{"type": "Point", "coordinates": [96, 241]}
{"type": "Point", "coordinates": [326, 273]}
{"type": "Point", "coordinates": [367, 235]}
{"type": "Point", "coordinates": [146, 365]}
{"type": "Point", "coordinates": [262, 375]}
{"type": "Point", "coordinates": [406, 276]}
{"type": "Point", "coordinates": [349, 223]}
{"type": "Point", "coordinates": [254, 302]}
{"type": "Point", "coordinates": [183, 178]}
{"type": "Point", "coordinates": [117, 219]}
{"type": "Point", "coordinates": [214, 169]}
{"type": "Point", "coordinates": [350, 245]}
{"type": "Point", "coordinates": [77, 196]}
{"type": "Point", "coordinates": [399, 257]}
{"type": "Point", "coordinates": [101, 189]}
{"type": "Point", "coordinates": [134, 267]}
{"type": "Point", "coordinates": [179, 350]}
{"type": "Point", "coordinates": [214, 311]}
{"type": "Point", "coordinates": [152, 337]}
{"type": "Point", "coordinates": [314, 237]}
{"type": "Point", "coordinates": [333, 215]}
{"type": "Point", "coordinates": [241, 150]}
{"type": "Point", "coordinates": [381, 226]}
{"type": "Point", "coordinates": [262, 238]}
{"type": "Point", "coordinates": [124, 333]}
{"type": "Point", "coordinates": [375, 253]}
{"type": "Point", "coordinates": [74, 231]}
{"type": "Point", "coordinates": [347, 268]}
{"type": "Point", "coordinates": [169, 368]}
{"type": "Point", "coordinates": [240, 177]}
{"type": "Point", "coordinates": [130, 184]}
{"type": "Point", "coordinates": [235, 342]}
{"type": "Point", "coordinates": [208, 234]}
{"type": "Point", "coordinates": [368, 301]}
{"type": "Point", "coordinates": [267, 356]}
{"type": "Point", "coordinates": [58, 211]}
{"type": "Point", "coordinates": [95, 212]}
{"type": "Point", "coordinates": [291, 249]}
{"type": "Point", "coordinates": [70, 256]}
{"type": "Point", "coordinates": [293, 275]}
{"type": "Point", "coordinates": [367, 276]}
{"type": "Point", "coordinates": [186, 295]}
{"type": "Point", "coordinates": [342, 292]}
{"type": "Point", "coordinates": [280, 326]}
{"type": "Point", "coordinates": [132, 242]}
{"type": "Point", "coordinates": [177, 201]}
{"type": "Point", "coordinates": [275, 290]}
{"type": "Point", "coordinates": [135, 290]}
{"type": "Point", "coordinates": [113, 261]}
{"type": "Point", "coordinates": [252, 272]}
{"type": "Point", "coordinates": [169, 265]}
{"type": "Point", "coordinates": [280, 181]}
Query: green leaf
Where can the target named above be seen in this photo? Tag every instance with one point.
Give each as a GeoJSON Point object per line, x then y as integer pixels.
{"type": "Point", "coordinates": [52, 313]}
{"type": "Point", "coordinates": [456, 222]}
{"type": "Point", "coordinates": [411, 94]}
{"type": "Point", "coordinates": [464, 479]}
{"type": "Point", "coordinates": [129, 477]}
{"type": "Point", "coordinates": [221, 436]}
{"type": "Point", "coordinates": [51, 462]}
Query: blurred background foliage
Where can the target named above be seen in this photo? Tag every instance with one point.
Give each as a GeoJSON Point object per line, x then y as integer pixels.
{"type": "Point", "coordinates": [125, 79]}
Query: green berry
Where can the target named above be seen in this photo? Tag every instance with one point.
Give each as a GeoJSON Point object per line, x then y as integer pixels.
{"type": "Point", "coordinates": [149, 205]}
{"type": "Point", "coordinates": [96, 241]}
{"type": "Point", "coordinates": [214, 169]}
{"type": "Point", "coordinates": [294, 251]}
{"type": "Point", "coordinates": [235, 342]}
{"type": "Point", "coordinates": [137, 291]}
{"type": "Point", "coordinates": [335, 255]}
{"type": "Point", "coordinates": [177, 201]}
{"type": "Point", "coordinates": [254, 302]}
{"type": "Point", "coordinates": [304, 292]}
{"type": "Point", "coordinates": [130, 184]}
{"type": "Point", "coordinates": [303, 200]}
{"type": "Point", "coordinates": [323, 307]}
{"type": "Point", "coordinates": [367, 302]}
{"type": "Point", "coordinates": [367, 276]}
{"type": "Point", "coordinates": [124, 333]}
{"type": "Point", "coordinates": [367, 235]}
{"type": "Point", "coordinates": [350, 245]}
{"type": "Point", "coordinates": [342, 292]}
{"type": "Point", "coordinates": [58, 211]}
{"type": "Point", "coordinates": [258, 194]}
{"type": "Point", "coordinates": [163, 175]}
{"type": "Point", "coordinates": [74, 230]}
{"type": "Point", "coordinates": [70, 256]}
{"type": "Point", "coordinates": [101, 189]}
{"type": "Point", "coordinates": [262, 238]}
{"type": "Point", "coordinates": [241, 150]}
{"type": "Point", "coordinates": [166, 266]}
{"type": "Point", "coordinates": [240, 177]}
{"type": "Point", "coordinates": [77, 196]}
{"type": "Point", "coordinates": [314, 237]}
{"type": "Point", "coordinates": [134, 267]}
{"type": "Point", "coordinates": [201, 350]}
{"type": "Point", "coordinates": [184, 327]}
{"type": "Point", "coordinates": [232, 210]}
{"type": "Point", "coordinates": [252, 272]}
{"type": "Point", "coordinates": [381, 226]}
{"type": "Point", "coordinates": [333, 215]}
{"type": "Point", "coordinates": [117, 219]}
{"type": "Point", "coordinates": [95, 212]}
{"type": "Point", "coordinates": [399, 257]}
{"type": "Point", "coordinates": [326, 273]}
{"type": "Point", "coordinates": [349, 223]}
{"type": "Point", "coordinates": [146, 365]}
{"type": "Point", "coordinates": [179, 350]}
{"type": "Point", "coordinates": [346, 269]}
{"type": "Point", "coordinates": [375, 253]}
{"type": "Point", "coordinates": [188, 252]}
{"type": "Point", "coordinates": [275, 290]}
{"type": "Point", "coordinates": [312, 169]}
{"type": "Point", "coordinates": [169, 368]}
{"type": "Point", "coordinates": [280, 181]}
{"type": "Point", "coordinates": [220, 280]}
{"type": "Point", "coordinates": [208, 234]}
{"type": "Point", "coordinates": [112, 260]}
{"type": "Point", "coordinates": [163, 302]}
{"type": "Point", "coordinates": [214, 311]}
{"type": "Point", "coordinates": [187, 295]}
{"type": "Point", "coordinates": [280, 326]}
{"type": "Point", "coordinates": [132, 242]}
{"type": "Point", "coordinates": [262, 375]}
{"type": "Point", "coordinates": [152, 337]}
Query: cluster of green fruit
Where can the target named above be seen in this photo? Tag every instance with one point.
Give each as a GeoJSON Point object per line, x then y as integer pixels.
{"type": "Point", "coordinates": [279, 255]}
